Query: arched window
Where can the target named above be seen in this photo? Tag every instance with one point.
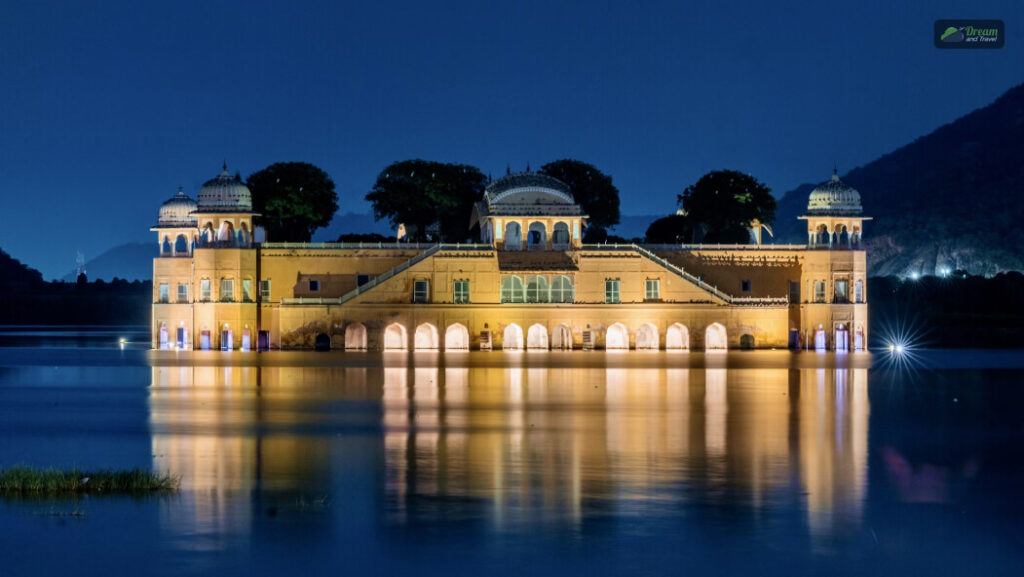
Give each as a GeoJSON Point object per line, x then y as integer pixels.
{"type": "Point", "coordinates": [537, 290]}
{"type": "Point", "coordinates": [561, 290]}
{"type": "Point", "coordinates": [181, 244]}
{"type": "Point", "coordinates": [512, 290]}
{"type": "Point", "coordinates": [823, 236]}
{"type": "Point", "coordinates": [858, 291]}
{"type": "Point", "coordinates": [165, 247]}
{"type": "Point", "coordinates": [844, 236]}
{"type": "Point", "coordinates": [560, 236]}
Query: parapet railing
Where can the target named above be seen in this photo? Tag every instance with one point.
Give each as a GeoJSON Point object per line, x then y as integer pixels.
{"type": "Point", "coordinates": [348, 245]}
{"type": "Point", "coordinates": [725, 246]}
{"type": "Point", "coordinates": [645, 252]}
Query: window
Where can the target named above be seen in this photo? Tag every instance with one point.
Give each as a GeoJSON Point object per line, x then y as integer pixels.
{"type": "Point", "coordinates": [265, 289]}
{"type": "Point", "coordinates": [420, 291]}
{"type": "Point", "coordinates": [461, 291]}
{"type": "Point", "coordinates": [842, 291]}
{"type": "Point", "coordinates": [512, 290]}
{"type": "Point", "coordinates": [362, 279]}
{"type": "Point", "coordinates": [746, 285]}
{"type": "Point", "coordinates": [794, 292]}
{"type": "Point", "coordinates": [611, 290]}
{"type": "Point", "coordinates": [561, 290]}
{"type": "Point", "coordinates": [819, 291]}
{"type": "Point", "coordinates": [204, 290]}
{"type": "Point", "coordinates": [537, 290]}
{"type": "Point", "coordinates": [314, 286]}
{"type": "Point", "coordinates": [227, 290]}
{"type": "Point", "coordinates": [182, 293]}
{"type": "Point", "coordinates": [247, 290]}
{"type": "Point", "coordinates": [653, 291]}
{"type": "Point", "coordinates": [164, 293]}
{"type": "Point", "coordinates": [858, 291]}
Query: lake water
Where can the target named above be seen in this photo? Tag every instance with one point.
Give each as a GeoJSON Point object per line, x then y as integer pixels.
{"type": "Point", "coordinates": [766, 463]}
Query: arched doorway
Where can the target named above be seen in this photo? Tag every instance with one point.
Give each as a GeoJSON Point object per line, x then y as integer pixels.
{"type": "Point", "coordinates": [164, 337]}
{"type": "Point", "coordinates": [820, 340]}
{"type": "Point", "coordinates": [715, 338]}
{"type": "Point", "coordinates": [323, 342]}
{"type": "Point", "coordinates": [647, 338]}
{"type": "Point", "coordinates": [842, 339]}
{"type": "Point", "coordinates": [426, 338]}
{"type": "Point", "coordinates": [512, 338]}
{"type": "Point", "coordinates": [560, 236]}
{"type": "Point", "coordinates": [561, 338]}
{"type": "Point", "coordinates": [537, 238]}
{"type": "Point", "coordinates": [181, 245]}
{"type": "Point", "coordinates": [858, 340]}
{"type": "Point", "coordinates": [395, 338]}
{"type": "Point", "coordinates": [456, 338]}
{"type": "Point", "coordinates": [537, 338]}
{"type": "Point", "coordinates": [513, 236]}
{"type": "Point", "coordinates": [165, 246]}
{"type": "Point", "coordinates": [616, 338]}
{"type": "Point", "coordinates": [677, 338]}
{"type": "Point", "coordinates": [355, 337]}
{"type": "Point", "coordinates": [226, 232]}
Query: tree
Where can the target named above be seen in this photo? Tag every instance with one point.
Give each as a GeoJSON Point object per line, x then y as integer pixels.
{"type": "Point", "coordinates": [672, 229]}
{"type": "Point", "coordinates": [423, 194]}
{"type": "Point", "coordinates": [593, 191]}
{"type": "Point", "coordinates": [293, 199]}
{"type": "Point", "coordinates": [365, 237]}
{"type": "Point", "coordinates": [723, 204]}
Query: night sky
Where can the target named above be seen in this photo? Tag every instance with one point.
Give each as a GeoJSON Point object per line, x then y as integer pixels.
{"type": "Point", "coordinates": [105, 110]}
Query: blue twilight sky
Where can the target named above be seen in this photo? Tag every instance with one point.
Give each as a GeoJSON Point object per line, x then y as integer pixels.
{"type": "Point", "coordinates": [105, 109]}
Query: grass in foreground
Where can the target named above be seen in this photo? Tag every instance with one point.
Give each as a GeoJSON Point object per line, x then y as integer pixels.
{"type": "Point", "coordinates": [29, 481]}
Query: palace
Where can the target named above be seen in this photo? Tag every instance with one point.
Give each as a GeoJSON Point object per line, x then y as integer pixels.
{"type": "Point", "coordinates": [530, 284]}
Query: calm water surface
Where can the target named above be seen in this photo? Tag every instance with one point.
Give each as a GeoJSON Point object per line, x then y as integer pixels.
{"type": "Point", "coordinates": [501, 464]}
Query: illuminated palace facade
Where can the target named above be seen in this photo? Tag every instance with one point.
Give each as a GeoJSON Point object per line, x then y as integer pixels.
{"type": "Point", "coordinates": [529, 284]}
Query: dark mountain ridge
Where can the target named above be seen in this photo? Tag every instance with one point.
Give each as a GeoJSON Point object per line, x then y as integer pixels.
{"type": "Point", "coordinates": [950, 199]}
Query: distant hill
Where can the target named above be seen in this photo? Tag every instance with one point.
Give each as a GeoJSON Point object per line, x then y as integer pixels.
{"type": "Point", "coordinates": [132, 261]}
{"type": "Point", "coordinates": [15, 276]}
{"type": "Point", "coordinates": [953, 198]}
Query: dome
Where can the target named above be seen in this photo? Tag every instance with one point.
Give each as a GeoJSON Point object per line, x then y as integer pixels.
{"type": "Point", "coordinates": [528, 188]}
{"type": "Point", "coordinates": [177, 211]}
{"type": "Point", "coordinates": [834, 197]}
{"type": "Point", "coordinates": [225, 193]}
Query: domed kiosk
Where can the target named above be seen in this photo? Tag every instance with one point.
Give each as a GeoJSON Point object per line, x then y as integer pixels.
{"type": "Point", "coordinates": [834, 216]}
{"type": "Point", "coordinates": [224, 212]}
{"type": "Point", "coordinates": [176, 225]}
{"type": "Point", "coordinates": [534, 208]}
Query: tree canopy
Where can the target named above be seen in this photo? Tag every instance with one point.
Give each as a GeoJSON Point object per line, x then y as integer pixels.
{"type": "Point", "coordinates": [671, 229]}
{"type": "Point", "coordinates": [723, 204]}
{"type": "Point", "coordinates": [293, 199]}
{"type": "Point", "coordinates": [423, 194]}
{"type": "Point", "coordinates": [593, 191]}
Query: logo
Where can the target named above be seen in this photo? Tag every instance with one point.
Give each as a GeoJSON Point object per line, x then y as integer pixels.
{"type": "Point", "coordinates": [969, 34]}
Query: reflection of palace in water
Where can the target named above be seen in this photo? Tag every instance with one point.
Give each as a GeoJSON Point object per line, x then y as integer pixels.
{"type": "Point", "coordinates": [517, 443]}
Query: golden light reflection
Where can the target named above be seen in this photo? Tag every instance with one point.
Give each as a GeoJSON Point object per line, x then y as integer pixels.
{"type": "Point", "coordinates": [522, 443]}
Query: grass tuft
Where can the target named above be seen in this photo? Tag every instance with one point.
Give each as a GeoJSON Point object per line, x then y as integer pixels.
{"type": "Point", "coordinates": [29, 481]}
